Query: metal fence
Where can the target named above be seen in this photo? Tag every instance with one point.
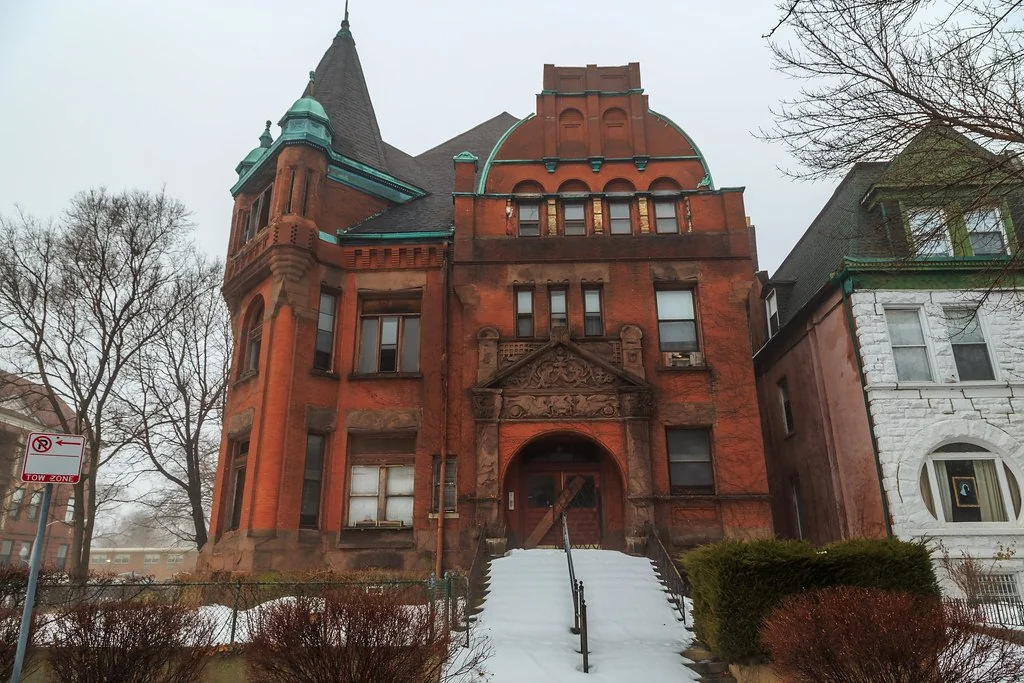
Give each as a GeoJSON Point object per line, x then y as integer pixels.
{"type": "Point", "coordinates": [675, 584]}
{"type": "Point", "coordinates": [579, 602]}
{"type": "Point", "coordinates": [1006, 612]}
{"type": "Point", "coordinates": [232, 605]}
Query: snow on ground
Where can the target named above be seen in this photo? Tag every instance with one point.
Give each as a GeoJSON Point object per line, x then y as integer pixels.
{"type": "Point", "coordinates": [634, 632]}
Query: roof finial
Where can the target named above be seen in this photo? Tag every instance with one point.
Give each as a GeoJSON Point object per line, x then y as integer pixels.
{"type": "Point", "coordinates": [266, 139]}
{"type": "Point", "coordinates": [344, 22]}
{"type": "Point", "coordinates": [312, 83]}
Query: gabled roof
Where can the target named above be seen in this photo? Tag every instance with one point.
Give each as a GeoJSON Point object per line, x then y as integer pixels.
{"type": "Point", "coordinates": [340, 87]}
{"type": "Point", "coordinates": [589, 360]}
{"type": "Point", "coordinates": [435, 172]}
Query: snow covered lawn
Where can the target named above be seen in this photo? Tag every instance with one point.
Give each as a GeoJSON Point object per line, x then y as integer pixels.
{"type": "Point", "coordinates": [634, 633]}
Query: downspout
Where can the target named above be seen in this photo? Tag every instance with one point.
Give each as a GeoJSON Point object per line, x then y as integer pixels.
{"type": "Point", "coordinates": [846, 287]}
{"type": "Point", "coordinates": [439, 556]}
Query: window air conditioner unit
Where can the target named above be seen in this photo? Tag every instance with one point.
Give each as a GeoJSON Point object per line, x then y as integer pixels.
{"type": "Point", "coordinates": [683, 359]}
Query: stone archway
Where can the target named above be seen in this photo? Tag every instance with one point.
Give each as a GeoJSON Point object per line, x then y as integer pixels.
{"type": "Point", "coordinates": [564, 472]}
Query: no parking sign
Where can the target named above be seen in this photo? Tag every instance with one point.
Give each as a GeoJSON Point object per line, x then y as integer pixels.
{"type": "Point", "coordinates": [53, 458]}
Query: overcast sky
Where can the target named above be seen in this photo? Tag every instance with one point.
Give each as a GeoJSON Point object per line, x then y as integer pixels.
{"type": "Point", "coordinates": [126, 93]}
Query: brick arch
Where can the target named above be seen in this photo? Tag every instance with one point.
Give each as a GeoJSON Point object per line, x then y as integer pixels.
{"type": "Point", "coordinates": [252, 322]}
{"type": "Point", "coordinates": [615, 133]}
{"type": "Point", "coordinates": [528, 187]}
{"type": "Point", "coordinates": [572, 134]}
{"type": "Point", "coordinates": [664, 184]}
{"type": "Point", "coordinates": [573, 186]}
{"type": "Point", "coordinates": [619, 185]}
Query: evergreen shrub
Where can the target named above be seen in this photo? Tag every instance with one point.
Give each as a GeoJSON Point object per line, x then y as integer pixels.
{"type": "Point", "coordinates": [735, 584]}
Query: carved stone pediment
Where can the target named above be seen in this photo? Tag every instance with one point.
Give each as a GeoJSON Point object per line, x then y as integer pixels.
{"type": "Point", "coordinates": [560, 381]}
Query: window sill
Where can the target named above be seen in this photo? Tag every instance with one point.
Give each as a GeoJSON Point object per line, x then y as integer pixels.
{"type": "Point", "coordinates": [447, 515]}
{"type": "Point", "coordinates": [683, 368]}
{"type": "Point", "coordinates": [246, 377]}
{"type": "Point", "coordinates": [973, 529]}
{"type": "Point", "coordinates": [788, 435]}
{"type": "Point", "coordinates": [360, 376]}
{"type": "Point", "coordinates": [366, 537]}
{"type": "Point", "coordinates": [327, 374]}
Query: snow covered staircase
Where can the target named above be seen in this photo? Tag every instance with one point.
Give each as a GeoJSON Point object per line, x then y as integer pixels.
{"type": "Point", "coordinates": [635, 633]}
{"type": "Point", "coordinates": [710, 668]}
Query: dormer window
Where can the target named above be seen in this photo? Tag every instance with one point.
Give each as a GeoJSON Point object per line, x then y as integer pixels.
{"type": "Point", "coordinates": [771, 310]}
{"type": "Point", "coordinates": [985, 232]}
{"type": "Point", "coordinates": [259, 215]}
{"type": "Point", "coordinates": [929, 232]}
{"type": "Point", "coordinates": [529, 220]}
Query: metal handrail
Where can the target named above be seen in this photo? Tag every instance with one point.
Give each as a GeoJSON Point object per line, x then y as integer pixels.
{"type": "Point", "coordinates": [667, 570]}
{"type": "Point", "coordinates": [579, 603]}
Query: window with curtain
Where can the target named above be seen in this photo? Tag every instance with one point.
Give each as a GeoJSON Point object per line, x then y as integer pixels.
{"type": "Point", "coordinates": [558, 307]}
{"type": "Point", "coordinates": [381, 481]}
{"type": "Point", "coordinates": [970, 484]}
{"type": "Point", "coordinates": [593, 322]}
{"type": "Point", "coordinates": [677, 324]}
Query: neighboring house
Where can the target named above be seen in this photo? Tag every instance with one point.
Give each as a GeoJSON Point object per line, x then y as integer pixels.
{"type": "Point", "coordinates": [890, 362]}
{"type": "Point", "coordinates": [158, 563]}
{"type": "Point", "coordinates": [24, 410]}
{"type": "Point", "coordinates": [549, 305]}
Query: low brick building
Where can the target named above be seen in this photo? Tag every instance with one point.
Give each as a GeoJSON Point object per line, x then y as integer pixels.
{"type": "Point", "coordinates": [158, 563]}
{"type": "Point", "coordinates": [538, 315]}
{"type": "Point", "coordinates": [891, 358]}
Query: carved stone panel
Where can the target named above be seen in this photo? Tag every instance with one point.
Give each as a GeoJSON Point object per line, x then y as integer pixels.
{"type": "Point", "coordinates": [487, 404]}
{"type": "Point", "coordinates": [560, 406]}
{"type": "Point", "coordinates": [560, 369]}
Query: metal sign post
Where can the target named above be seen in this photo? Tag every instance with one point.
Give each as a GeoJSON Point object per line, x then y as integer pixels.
{"type": "Point", "coordinates": [49, 458]}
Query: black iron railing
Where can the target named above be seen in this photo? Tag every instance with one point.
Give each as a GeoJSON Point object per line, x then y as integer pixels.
{"type": "Point", "coordinates": [675, 584]}
{"type": "Point", "coordinates": [579, 602]}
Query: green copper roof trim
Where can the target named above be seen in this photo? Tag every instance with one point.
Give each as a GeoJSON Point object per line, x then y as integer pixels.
{"type": "Point", "coordinates": [307, 106]}
{"type": "Point", "coordinates": [467, 157]}
{"type": "Point", "coordinates": [409, 236]}
{"type": "Point", "coordinates": [482, 183]}
{"type": "Point", "coordinates": [586, 160]}
{"type": "Point", "coordinates": [924, 263]}
{"type": "Point", "coordinates": [703, 161]}
{"type": "Point", "coordinates": [358, 181]}
{"type": "Point", "coordinates": [327, 237]}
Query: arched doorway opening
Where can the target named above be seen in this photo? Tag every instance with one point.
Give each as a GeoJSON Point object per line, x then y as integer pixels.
{"type": "Point", "coordinates": [564, 473]}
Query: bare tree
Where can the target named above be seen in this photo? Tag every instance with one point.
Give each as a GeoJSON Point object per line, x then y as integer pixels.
{"type": "Point", "coordinates": [80, 297]}
{"type": "Point", "coordinates": [172, 408]}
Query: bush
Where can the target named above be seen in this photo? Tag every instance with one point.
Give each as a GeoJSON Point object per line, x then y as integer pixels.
{"type": "Point", "coordinates": [355, 636]}
{"type": "Point", "coordinates": [129, 642]}
{"type": "Point", "coordinates": [10, 626]}
{"type": "Point", "coordinates": [735, 584]}
{"type": "Point", "coordinates": [865, 635]}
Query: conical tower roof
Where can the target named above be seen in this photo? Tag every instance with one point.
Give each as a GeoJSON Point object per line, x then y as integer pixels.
{"type": "Point", "coordinates": [341, 89]}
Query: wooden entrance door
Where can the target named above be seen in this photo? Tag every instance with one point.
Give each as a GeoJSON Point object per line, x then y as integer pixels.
{"type": "Point", "coordinates": [547, 490]}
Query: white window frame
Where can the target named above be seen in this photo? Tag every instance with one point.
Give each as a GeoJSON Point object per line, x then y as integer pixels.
{"type": "Point", "coordinates": [771, 307]}
{"type": "Point", "coordinates": [123, 558]}
{"type": "Point", "coordinates": [176, 558]}
{"type": "Point", "coordinates": [929, 350]}
{"type": "Point", "coordinates": [940, 214]}
{"type": "Point", "coordinates": [983, 325]}
{"type": "Point", "coordinates": [1004, 489]}
{"type": "Point", "coordinates": [383, 472]}
{"type": "Point", "coordinates": [1007, 250]}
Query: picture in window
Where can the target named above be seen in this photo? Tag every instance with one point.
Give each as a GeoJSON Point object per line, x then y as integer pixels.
{"type": "Point", "coordinates": [970, 484]}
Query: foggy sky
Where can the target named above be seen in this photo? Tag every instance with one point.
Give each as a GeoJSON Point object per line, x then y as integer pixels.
{"type": "Point", "coordinates": [160, 93]}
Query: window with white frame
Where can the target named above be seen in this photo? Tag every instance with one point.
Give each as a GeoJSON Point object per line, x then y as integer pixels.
{"type": "Point", "coordinates": [390, 335]}
{"type": "Point", "coordinates": [69, 511]}
{"type": "Point", "coordinates": [620, 220]}
{"type": "Point", "coordinates": [995, 587]}
{"type": "Point", "coordinates": [985, 232]}
{"type": "Point", "coordinates": [677, 324]}
{"type": "Point", "coordinates": [98, 559]}
{"type": "Point", "coordinates": [122, 558]}
{"type": "Point", "coordinates": [175, 559]}
{"type": "Point", "coordinates": [771, 311]}
{"type": "Point", "coordinates": [574, 217]}
{"type": "Point", "coordinates": [150, 558]}
{"type": "Point", "coordinates": [529, 220]}
{"type": "Point", "coordinates": [929, 232]}
{"type": "Point", "coordinates": [963, 482]}
{"type": "Point", "coordinates": [665, 220]}
{"type": "Point", "coordinates": [381, 482]}
{"type": "Point", "coordinates": [970, 350]}
{"type": "Point", "coordinates": [909, 349]}
{"type": "Point", "coordinates": [34, 503]}
{"type": "Point", "coordinates": [786, 405]}
{"type": "Point", "coordinates": [17, 497]}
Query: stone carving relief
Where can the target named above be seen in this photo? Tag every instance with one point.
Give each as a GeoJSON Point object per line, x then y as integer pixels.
{"type": "Point", "coordinates": [561, 406]}
{"type": "Point", "coordinates": [560, 369]}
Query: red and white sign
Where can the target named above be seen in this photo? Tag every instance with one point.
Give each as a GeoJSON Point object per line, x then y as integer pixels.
{"type": "Point", "coordinates": [53, 458]}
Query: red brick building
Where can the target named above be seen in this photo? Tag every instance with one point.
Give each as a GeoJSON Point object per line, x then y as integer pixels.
{"type": "Point", "coordinates": [554, 307]}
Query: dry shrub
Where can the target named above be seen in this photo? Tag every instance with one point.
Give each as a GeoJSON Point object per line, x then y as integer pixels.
{"type": "Point", "coordinates": [10, 626]}
{"type": "Point", "coordinates": [847, 634]}
{"type": "Point", "coordinates": [130, 642]}
{"type": "Point", "coordinates": [357, 636]}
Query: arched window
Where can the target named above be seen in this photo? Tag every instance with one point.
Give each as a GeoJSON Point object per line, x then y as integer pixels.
{"type": "Point", "coordinates": [252, 337]}
{"type": "Point", "coordinates": [969, 484]}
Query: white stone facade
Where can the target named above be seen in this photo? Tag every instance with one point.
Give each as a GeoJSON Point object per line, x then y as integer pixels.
{"type": "Point", "coordinates": [912, 419]}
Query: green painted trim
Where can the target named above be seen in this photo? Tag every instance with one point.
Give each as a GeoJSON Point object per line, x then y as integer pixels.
{"type": "Point", "coordinates": [411, 236]}
{"type": "Point", "coordinates": [490, 157]}
{"type": "Point", "coordinates": [577, 195]}
{"type": "Point", "coordinates": [607, 159]}
{"type": "Point", "coordinates": [327, 237]}
{"type": "Point", "coordinates": [359, 182]}
{"type": "Point", "coordinates": [700, 155]}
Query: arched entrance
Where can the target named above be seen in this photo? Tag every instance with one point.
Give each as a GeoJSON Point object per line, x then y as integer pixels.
{"type": "Point", "coordinates": [564, 473]}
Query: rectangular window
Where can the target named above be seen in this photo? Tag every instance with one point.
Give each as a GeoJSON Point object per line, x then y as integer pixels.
{"type": "Point", "coordinates": [324, 352]}
{"type": "Point", "coordinates": [593, 322]}
{"type": "Point", "coordinates": [17, 497]}
{"type": "Point", "coordinates": [929, 232]}
{"type": "Point", "coordinates": [970, 490]}
{"type": "Point", "coordinates": [122, 558]}
{"type": "Point", "coordinates": [677, 325]}
{"type": "Point", "coordinates": [69, 511]}
{"type": "Point", "coordinates": [62, 557]}
{"type": "Point", "coordinates": [558, 308]}
{"type": "Point", "coordinates": [985, 232]}
{"type": "Point", "coordinates": [997, 587]}
{"type": "Point", "coordinates": [259, 215]}
{"type": "Point", "coordinates": [787, 408]}
{"type": "Point", "coordinates": [529, 220]}
{"type": "Point", "coordinates": [239, 458]}
{"type": "Point", "coordinates": [5, 552]}
{"type": "Point", "coordinates": [390, 340]}
{"type": "Point", "coordinates": [620, 221]}
{"type": "Point", "coordinates": [175, 559]}
{"type": "Point", "coordinates": [970, 351]}
{"type": "Point", "coordinates": [33, 506]}
{"type": "Point", "coordinates": [381, 483]}
{"type": "Point", "coordinates": [150, 558]}
{"type": "Point", "coordinates": [798, 507]}
{"type": "Point", "coordinates": [665, 220]}
{"type": "Point", "coordinates": [575, 218]}
{"type": "Point", "coordinates": [312, 477]}
{"type": "Point", "coordinates": [524, 312]}
{"type": "Point", "coordinates": [450, 489]}
{"type": "Point", "coordinates": [25, 555]}
{"type": "Point", "coordinates": [689, 461]}
{"type": "Point", "coordinates": [772, 312]}
{"type": "Point", "coordinates": [291, 190]}
{"type": "Point", "coordinates": [909, 350]}
{"type": "Point", "coordinates": [98, 559]}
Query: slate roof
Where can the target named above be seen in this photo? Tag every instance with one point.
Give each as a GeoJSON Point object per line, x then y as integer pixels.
{"type": "Point", "coordinates": [340, 87]}
{"type": "Point", "coordinates": [433, 171]}
{"type": "Point", "coordinates": [841, 228]}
